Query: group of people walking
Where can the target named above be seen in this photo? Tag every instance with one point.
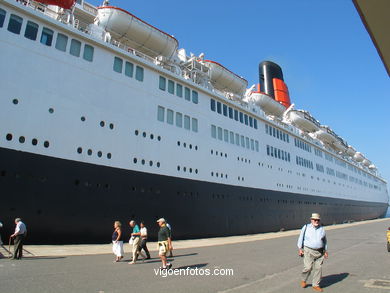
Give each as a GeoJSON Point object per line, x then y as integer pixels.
{"type": "Point", "coordinates": [18, 237]}
{"type": "Point", "coordinates": [138, 240]}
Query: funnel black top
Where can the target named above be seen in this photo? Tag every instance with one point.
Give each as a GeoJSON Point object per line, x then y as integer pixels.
{"type": "Point", "coordinates": [267, 72]}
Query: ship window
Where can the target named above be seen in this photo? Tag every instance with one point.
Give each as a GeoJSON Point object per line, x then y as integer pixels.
{"type": "Point", "coordinates": [236, 115]}
{"type": "Point", "coordinates": [169, 116]}
{"type": "Point", "coordinates": [179, 119]}
{"type": "Point", "coordinates": [129, 68]}
{"type": "Point", "coordinates": [247, 142]}
{"type": "Point", "coordinates": [226, 135]}
{"type": "Point", "coordinates": [230, 113]}
{"type": "Point", "coordinates": [75, 48]}
{"type": "Point", "coordinates": [2, 17]}
{"type": "Point", "coordinates": [162, 83]}
{"type": "Point", "coordinates": [237, 139]}
{"type": "Point", "coordinates": [195, 97]}
{"type": "Point", "coordinates": [160, 113]}
{"type": "Point", "coordinates": [250, 121]}
{"type": "Point", "coordinates": [219, 107]}
{"type": "Point", "coordinates": [171, 87]}
{"type": "Point", "coordinates": [187, 94]}
{"type": "Point", "coordinates": [31, 31]}
{"type": "Point", "coordinates": [213, 131]}
{"type": "Point", "coordinates": [255, 123]}
{"type": "Point", "coordinates": [231, 137]}
{"type": "Point", "coordinates": [88, 53]}
{"type": "Point", "coordinates": [257, 145]}
{"type": "Point", "coordinates": [179, 90]}
{"type": "Point", "coordinates": [246, 119]}
{"type": "Point", "coordinates": [224, 110]}
{"type": "Point", "coordinates": [252, 145]}
{"type": "Point", "coordinates": [61, 42]}
{"type": "Point", "coordinates": [15, 24]}
{"type": "Point", "coordinates": [219, 133]}
{"type": "Point", "coordinates": [267, 149]}
{"type": "Point", "coordinates": [241, 117]}
{"type": "Point", "coordinates": [118, 62]}
{"type": "Point", "coordinates": [187, 122]}
{"type": "Point", "coordinates": [47, 36]}
{"type": "Point", "coordinates": [212, 104]}
{"type": "Point", "coordinates": [139, 73]}
{"type": "Point", "coordinates": [194, 125]}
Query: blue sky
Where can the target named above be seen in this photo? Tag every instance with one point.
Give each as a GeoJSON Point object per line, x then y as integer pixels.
{"type": "Point", "coordinates": [329, 62]}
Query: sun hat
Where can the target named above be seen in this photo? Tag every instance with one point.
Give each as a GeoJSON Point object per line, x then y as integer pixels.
{"type": "Point", "coordinates": [315, 216]}
{"type": "Point", "coordinates": [161, 220]}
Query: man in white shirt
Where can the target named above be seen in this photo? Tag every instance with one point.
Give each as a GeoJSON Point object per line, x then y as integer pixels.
{"type": "Point", "coordinates": [19, 235]}
{"type": "Point", "coordinates": [313, 246]}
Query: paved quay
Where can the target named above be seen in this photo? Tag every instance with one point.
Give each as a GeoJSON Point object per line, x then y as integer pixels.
{"type": "Point", "coordinates": [358, 262]}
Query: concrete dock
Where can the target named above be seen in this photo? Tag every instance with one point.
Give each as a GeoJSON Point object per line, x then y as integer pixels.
{"type": "Point", "coordinates": [358, 262]}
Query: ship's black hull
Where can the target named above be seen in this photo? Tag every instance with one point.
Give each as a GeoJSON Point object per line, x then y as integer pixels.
{"type": "Point", "coordinates": [63, 201]}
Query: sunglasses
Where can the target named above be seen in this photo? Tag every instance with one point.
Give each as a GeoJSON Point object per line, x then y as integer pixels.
{"type": "Point", "coordinates": [316, 220]}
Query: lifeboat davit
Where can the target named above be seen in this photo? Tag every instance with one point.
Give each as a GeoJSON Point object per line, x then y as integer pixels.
{"type": "Point", "coordinates": [268, 104]}
{"type": "Point", "coordinates": [67, 4]}
{"type": "Point", "coordinates": [358, 157]}
{"type": "Point", "coordinates": [366, 162]}
{"type": "Point", "coordinates": [135, 33]}
{"type": "Point", "coordinates": [351, 151]}
{"type": "Point", "coordinates": [303, 120]}
{"type": "Point", "coordinates": [225, 80]}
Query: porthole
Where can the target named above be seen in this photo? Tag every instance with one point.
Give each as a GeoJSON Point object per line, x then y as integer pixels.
{"type": "Point", "coordinates": [9, 137]}
{"type": "Point", "coordinates": [82, 118]}
{"type": "Point", "coordinates": [184, 169]}
{"type": "Point", "coordinates": [111, 126]}
{"type": "Point", "coordinates": [178, 143]}
{"type": "Point", "coordinates": [34, 141]}
{"type": "Point", "coordinates": [102, 123]}
{"type": "Point", "coordinates": [143, 162]}
{"type": "Point", "coordinates": [136, 132]}
{"type": "Point", "coordinates": [109, 156]}
{"type": "Point", "coordinates": [135, 160]}
{"type": "Point", "coordinates": [196, 148]}
{"type": "Point", "coordinates": [46, 144]}
{"type": "Point", "coordinates": [51, 110]}
{"type": "Point", "coordinates": [144, 134]}
{"type": "Point", "coordinates": [178, 168]}
{"type": "Point", "coordinates": [211, 151]}
{"type": "Point", "coordinates": [158, 164]}
{"type": "Point", "coordinates": [76, 182]}
{"type": "Point", "coordinates": [151, 136]}
{"type": "Point", "coordinates": [99, 154]}
{"type": "Point", "coordinates": [89, 152]}
{"type": "Point", "coordinates": [196, 171]}
{"type": "Point", "coordinates": [159, 138]}
{"type": "Point", "coordinates": [190, 146]}
{"type": "Point", "coordinates": [184, 145]}
{"type": "Point", "coordinates": [150, 163]}
{"type": "Point", "coordinates": [15, 101]}
{"type": "Point", "coordinates": [79, 150]}
{"type": "Point", "coordinates": [22, 139]}
{"type": "Point", "coordinates": [190, 170]}
{"type": "Point", "coordinates": [217, 174]}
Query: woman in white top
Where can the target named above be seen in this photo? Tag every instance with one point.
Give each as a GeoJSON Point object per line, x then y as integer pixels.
{"type": "Point", "coordinates": [117, 241]}
{"type": "Point", "coordinates": [144, 239]}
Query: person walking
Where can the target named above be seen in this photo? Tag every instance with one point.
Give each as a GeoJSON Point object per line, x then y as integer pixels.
{"type": "Point", "coordinates": [164, 243]}
{"type": "Point", "coordinates": [312, 245]}
{"type": "Point", "coordinates": [135, 239]}
{"type": "Point", "coordinates": [19, 235]}
{"type": "Point", "coordinates": [117, 241]}
{"type": "Point", "coordinates": [144, 240]}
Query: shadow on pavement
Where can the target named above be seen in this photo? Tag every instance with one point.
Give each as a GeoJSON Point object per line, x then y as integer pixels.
{"type": "Point", "coordinates": [180, 255]}
{"type": "Point", "coordinates": [201, 265]}
{"type": "Point", "coordinates": [42, 257]}
{"type": "Point", "coordinates": [333, 279]}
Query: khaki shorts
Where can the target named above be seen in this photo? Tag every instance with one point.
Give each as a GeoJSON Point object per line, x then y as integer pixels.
{"type": "Point", "coordinates": [162, 248]}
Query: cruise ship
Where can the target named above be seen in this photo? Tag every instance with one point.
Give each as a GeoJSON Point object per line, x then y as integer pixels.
{"type": "Point", "coordinates": [104, 117]}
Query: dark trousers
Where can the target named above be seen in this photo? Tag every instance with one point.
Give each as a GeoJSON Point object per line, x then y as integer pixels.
{"type": "Point", "coordinates": [143, 246]}
{"type": "Point", "coordinates": [18, 246]}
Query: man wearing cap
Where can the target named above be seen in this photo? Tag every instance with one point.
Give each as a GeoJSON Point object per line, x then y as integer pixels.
{"type": "Point", "coordinates": [20, 233]}
{"type": "Point", "coordinates": [164, 243]}
{"type": "Point", "coordinates": [312, 246]}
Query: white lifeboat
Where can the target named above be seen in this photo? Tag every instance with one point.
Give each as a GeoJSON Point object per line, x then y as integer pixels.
{"type": "Point", "coordinates": [225, 80]}
{"type": "Point", "coordinates": [324, 135]}
{"type": "Point", "coordinates": [372, 167]}
{"type": "Point", "coordinates": [351, 151]}
{"type": "Point", "coordinates": [303, 120]}
{"type": "Point", "coordinates": [135, 33]}
{"type": "Point", "coordinates": [358, 157]}
{"type": "Point", "coordinates": [366, 162]}
{"type": "Point", "coordinates": [268, 104]}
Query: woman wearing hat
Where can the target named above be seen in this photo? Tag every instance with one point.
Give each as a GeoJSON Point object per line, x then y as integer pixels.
{"type": "Point", "coordinates": [312, 246]}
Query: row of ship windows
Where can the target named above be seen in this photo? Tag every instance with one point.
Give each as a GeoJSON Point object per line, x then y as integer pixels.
{"type": "Point", "coordinates": [178, 89]}
{"type": "Point", "coordinates": [184, 144]}
{"type": "Point", "coordinates": [302, 145]}
{"type": "Point", "coordinates": [277, 133]}
{"type": "Point", "coordinates": [180, 120]}
{"type": "Point", "coordinates": [22, 139]}
{"type": "Point", "coordinates": [304, 162]}
{"type": "Point", "coordinates": [144, 135]}
{"type": "Point", "coordinates": [129, 69]}
{"type": "Point", "coordinates": [143, 162]}
{"type": "Point", "coordinates": [278, 153]}
{"type": "Point", "coordinates": [234, 138]}
{"type": "Point", "coordinates": [220, 108]}
{"type": "Point", "coordinates": [31, 32]}
{"type": "Point", "coordinates": [90, 152]}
